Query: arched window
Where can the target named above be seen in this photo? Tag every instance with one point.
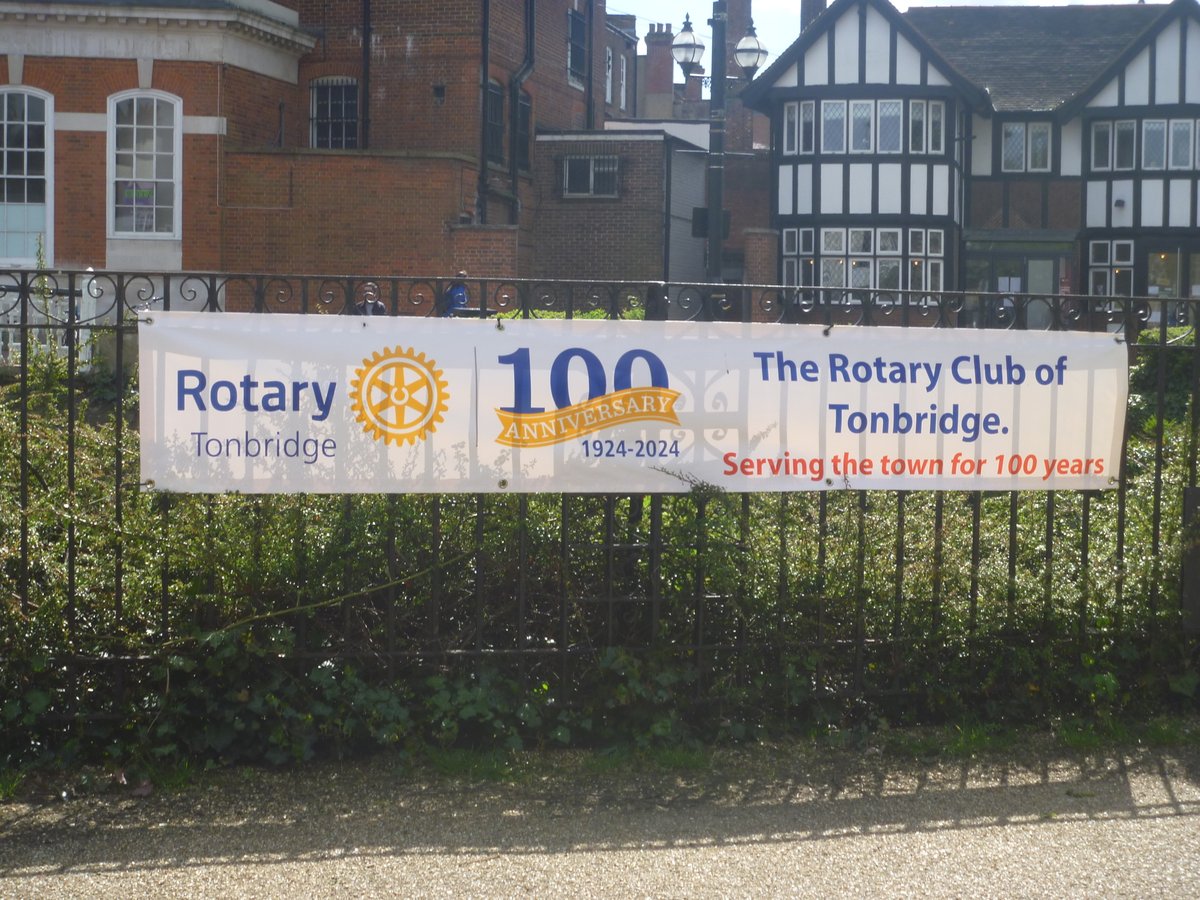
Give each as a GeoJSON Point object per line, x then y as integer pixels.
{"type": "Point", "coordinates": [26, 170]}
{"type": "Point", "coordinates": [145, 165]}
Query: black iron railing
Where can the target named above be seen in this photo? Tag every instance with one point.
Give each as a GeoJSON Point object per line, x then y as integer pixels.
{"type": "Point", "coordinates": [847, 594]}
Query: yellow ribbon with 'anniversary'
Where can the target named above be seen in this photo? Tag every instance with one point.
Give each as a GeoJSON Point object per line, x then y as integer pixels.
{"type": "Point", "coordinates": [555, 426]}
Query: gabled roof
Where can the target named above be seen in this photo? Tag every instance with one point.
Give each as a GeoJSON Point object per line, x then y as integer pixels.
{"type": "Point", "coordinates": [1033, 58]}
{"type": "Point", "coordinates": [755, 94]}
{"type": "Point", "coordinates": [1009, 58]}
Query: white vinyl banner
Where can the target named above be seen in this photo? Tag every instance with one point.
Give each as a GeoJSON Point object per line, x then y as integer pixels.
{"type": "Point", "coordinates": [340, 404]}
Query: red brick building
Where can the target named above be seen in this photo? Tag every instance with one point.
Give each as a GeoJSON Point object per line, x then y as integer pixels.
{"type": "Point", "coordinates": [294, 136]}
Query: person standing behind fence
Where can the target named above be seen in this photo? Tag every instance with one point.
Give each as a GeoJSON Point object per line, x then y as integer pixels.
{"type": "Point", "coordinates": [370, 305]}
{"type": "Point", "coordinates": [456, 297]}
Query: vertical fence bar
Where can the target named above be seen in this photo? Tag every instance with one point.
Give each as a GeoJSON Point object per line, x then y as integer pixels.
{"type": "Point", "coordinates": [939, 529]}
{"type": "Point", "coordinates": [390, 595]}
{"type": "Point", "coordinates": [860, 597]}
{"type": "Point", "coordinates": [477, 593]}
{"type": "Point", "coordinates": [119, 462]}
{"type": "Point", "coordinates": [656, 575]}
{"type": "Point", "coordinates": [1085, 587]}
{"type": "Point", "coordinates": [898, 593]}
{"type": "Point", "coordinates": [976, 501]}
{"type": "Point", "coordinates": [1160, 404]}
{"type": "Point", "coordinates": [164, 572]}
{"type": "Point", "coordinates": [609, 565]}
{"type": "Point", "coordinates": [26, 284]}
{"type": "Point", "coordinates": [564, 588]}
{"type": "Point", "coordinates": [522, 580]}
{"type": "Point", "coordinates": [822, 582]}
{"type": "Point", "coordinates": [72, 510]}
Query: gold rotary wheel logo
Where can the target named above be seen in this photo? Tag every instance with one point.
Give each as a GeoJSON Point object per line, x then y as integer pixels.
{"type": "Point", "coordinates": [398, 395]}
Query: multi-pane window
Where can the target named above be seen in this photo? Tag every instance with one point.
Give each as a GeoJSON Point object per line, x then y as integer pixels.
{"type": "Point", "coordinates": [144, 159]}
{"type": "Point", "coordinates": [808, 126]}
{"type": "Point", "coordinates": [1181, 144]}
{"type": "Point", "coordinates": [1110, 271]}
{"type": "Point", "coordinates": [797, 257]}
{"type": "Point", "coordinates": [862, 122]}
{"type": "Point", "coordinates": [1154, 144]}
{"type": "Point", "coordinates": [590, 176]}
{"type": "Point", "coordinates": [624, 76]}
{"type": "Point", "coordinates": [24, 198]}
{"type": "Point", "coordinates": [1012, 147]}
{"type": "Point", "coordinates": [833, 126]}
{"type": "Point", "coordinates": [861, 259]}
{"type": "Point", "coordinates": [576, 46]}
{"type": "Point", "coordinates": [334, 113]}
{"type": "Point", "coordinates": [494, 129]}
{"type": "Point", "coordinates": [1025, 147]}
{"type": "Point", "coordinates": [891, 126]}
{"type": "Point", "coordinates": [791, 121]}
{"type": "Point", "coordinates": [916, 126]}
{"type": "Point", "coordinates": [925, 267]}
{"type": "Point", "coordinates": [1124, 141]}
{"type": "Point", "coordinates": [937, 126]}
{"type": "Point", "coordinates": [1102, 146]}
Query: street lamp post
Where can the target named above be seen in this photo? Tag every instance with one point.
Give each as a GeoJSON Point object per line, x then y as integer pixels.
{"type": "Point", "coordinates": [749, 55]}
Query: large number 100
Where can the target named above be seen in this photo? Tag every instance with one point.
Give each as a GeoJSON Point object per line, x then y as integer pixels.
{"type": "Point", "coordinates": [597, 379]}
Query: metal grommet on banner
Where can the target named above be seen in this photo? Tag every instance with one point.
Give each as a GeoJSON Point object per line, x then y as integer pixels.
{"type": "Point", "coordinates": [502, 484]}
{"type": "Point", "coordinates": [148, 320]}
{"type": "Point", "coordinates": [828, 328]}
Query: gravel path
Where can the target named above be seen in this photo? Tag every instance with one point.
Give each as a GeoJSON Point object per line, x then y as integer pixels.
{"type": "Point", "coordinates": [771, 822]}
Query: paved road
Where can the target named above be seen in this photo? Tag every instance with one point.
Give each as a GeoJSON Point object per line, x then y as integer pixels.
{"type": "Point", "coordinates": [776, 822]}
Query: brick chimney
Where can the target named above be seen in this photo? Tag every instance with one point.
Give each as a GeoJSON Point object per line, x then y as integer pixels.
{"type": "Point", "coordinates": [659, 82]}
{"type": "Point", "coordinates": [809, 10]}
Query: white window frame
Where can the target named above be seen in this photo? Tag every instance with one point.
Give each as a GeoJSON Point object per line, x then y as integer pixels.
{"type": "Point", "coordinates": [935, 236]}
{"type": "Point", "coordinates": [591, 192]}
{"type": "Point", "coordinates": [608, 75]}
{"type": "Point", "coordinates": [328, 82]}
{"type": "Point", "coordinates": [827, 133]}
{"type": "Point", "coordinates": [833, 241]}
{"type": "Point", "coordinates": [1159, 164]}
{"type": "Point", "coordinates": [831, 265]}
{"type": "Point", "coordinates": [791, 241]}
{"type": "Point", "coordinates": [1122, 253]}
{"type": "Point", "coordinates": [791, 271]}
{"type": "Point", "coordinates": [860, 233]}
{"type": "Point", "coordinates": [894, 233]}
{"type": "Point", "coordinates": [806, 143]}
{"type": "Point", "coordinates": [1107, 142]}
{"type": "Point", "coordinates": [1098, 253]}
{"type": "Point", "coordinates": [917, 111]}
{"type": "Point", "coordinates": [1185, 159]}
{"type": "Point", "coordinates": [934, 269]}
{"type": "Point", "coordinates": [176, 180]}
{"type": "Point", "coordinates": [899, 146]}
{"type": "Point", "coordinates": [1007, 165]}
{"type": "Point", "coordinates": [938, 107]}
{"type": "Point", "coordinates": [916, 274]}
{"type": "Point", "coordinates": [624, 80]}
{"type": "Point", "coordinates": [1130, 126]}
{"type": "Point", "coordinates": [47, 224]}
{"type": "Point", "coordinates": [869, 146]}
{"type": "Point", "coordinates": [806, 241]}
{"type": "Point", "coordinates": [889, 264]}
{"type": "Point", "coordinates": [916, 242]}
{"type": "Point", "coordinates": [791, 128]}
{"type": "Point", "coordinates": [1039, 128]}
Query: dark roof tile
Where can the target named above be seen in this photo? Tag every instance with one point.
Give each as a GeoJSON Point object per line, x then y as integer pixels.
{"type": "Point", "coordinates": [1032, 58]}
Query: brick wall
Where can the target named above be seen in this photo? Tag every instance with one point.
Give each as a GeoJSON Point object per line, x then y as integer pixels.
{"type": "Point", "coordinates": [601, 238]}
{"type": "Point", "coordinates": [315, 212]}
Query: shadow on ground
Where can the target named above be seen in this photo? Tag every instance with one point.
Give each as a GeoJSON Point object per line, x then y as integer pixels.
{"type": "Point", "coordinates": [561, 804]}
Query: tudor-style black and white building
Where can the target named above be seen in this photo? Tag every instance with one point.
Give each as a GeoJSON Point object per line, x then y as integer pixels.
{"type": "Point", "coordinates": [1034, 150]}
